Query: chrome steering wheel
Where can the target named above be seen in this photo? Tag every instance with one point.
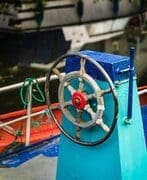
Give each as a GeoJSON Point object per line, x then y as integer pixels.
{"type": "Point", "coordinates": [75, 100]}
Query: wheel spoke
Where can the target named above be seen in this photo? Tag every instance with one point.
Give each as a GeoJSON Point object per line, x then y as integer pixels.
{"type": "Point", "coordinates": [81, 85]}
{"type": "Point", "coordinates": [78, 120]}
{"type": "Point", "coordinates": [78, 133]}
{"type": "Point", "coordinates": [90, 111]}
{"type": "Point", "coordinates": [101, 123]}
{"type": "Point", "coordinates": [69, 87]}
{"type": "Point", "coordinates": [57, 72]}
{"type": "Point", "coordinates": [82, 69]}
{"type": "Point", "coordinates": [106, 91]}
{"type": "Point", "coordinates": [79, 115]}
{"type": "Point", "coordinates": [90, 96]}
{"type": "Point", "coordinates": [65, 104]}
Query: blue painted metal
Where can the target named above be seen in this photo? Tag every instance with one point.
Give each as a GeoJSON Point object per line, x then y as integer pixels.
{"type": "Point", "coordinates": [144, 117]}
{"type": "Point", "coordinates": [123, 156]}
{"type": "Point", "coordinates": [131, 74]}
{"type": "Point", "coordinates": [48, 148]}
{"type": "Point", "coordinates": [116, 66]}
{"type": "Point", "coordinates": [131, 139]}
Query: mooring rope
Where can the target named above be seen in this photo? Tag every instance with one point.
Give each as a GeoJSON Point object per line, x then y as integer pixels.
{"type": "Point", "coordinates": [26, 85]}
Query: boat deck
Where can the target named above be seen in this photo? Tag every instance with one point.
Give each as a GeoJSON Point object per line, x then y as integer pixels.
{"type": "Point", "coordinates": [46, 170]}
{"type": "Point", "coordinates": [42, 168]}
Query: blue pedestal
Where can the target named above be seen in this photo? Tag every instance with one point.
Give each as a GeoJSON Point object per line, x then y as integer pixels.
{"type": "Point", "coordinates": [123, 156]}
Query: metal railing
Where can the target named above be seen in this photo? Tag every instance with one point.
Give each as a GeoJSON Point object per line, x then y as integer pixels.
{"type": "Point", "coordinates": [29, 115]}
{"type": "Point", "coordinates": [141, 92]}
{"type": "Point", "coordinates": [18, 85]}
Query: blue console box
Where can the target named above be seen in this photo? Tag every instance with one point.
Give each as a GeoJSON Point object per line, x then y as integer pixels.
{"type": "Point", "coordinates": [116, 66]}
{"type": "Point", "coordinates": [123, 155]}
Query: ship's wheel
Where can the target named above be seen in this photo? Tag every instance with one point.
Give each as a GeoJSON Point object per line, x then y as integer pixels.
{"type": "Point", "coordinates": [79, 97]}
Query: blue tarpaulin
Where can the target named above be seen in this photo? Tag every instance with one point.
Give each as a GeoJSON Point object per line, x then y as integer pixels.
{"type": "Point", "coordinates": [48, 148]}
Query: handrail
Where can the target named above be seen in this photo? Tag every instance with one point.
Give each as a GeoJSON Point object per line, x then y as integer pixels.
{"type": "Point", "coordinates": [20, 118]}
{"type": "Point", "coordinates": [26, 116]}
{"type": "Point", "coordinates": [142, 90]}
{"type": "Point", "coordinates": [18, 85]}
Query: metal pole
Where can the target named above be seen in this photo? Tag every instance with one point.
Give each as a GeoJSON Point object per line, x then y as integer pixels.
{"type": "Point", "coordinates": [130, 90]}
{"type": "Point", "coordinates": [25, 117]}
{"type": "Point", "coordinates": [20, 119]}
{"type": "Point", "coordinates": [18, 85]}
{"type": "Point", "coordinates": [29, 109]}
{"type": "Point", "coordinates": [8, 129]}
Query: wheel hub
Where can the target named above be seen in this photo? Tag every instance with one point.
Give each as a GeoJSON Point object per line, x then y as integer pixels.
{"type": "Point", "coordinates": [79, 100]}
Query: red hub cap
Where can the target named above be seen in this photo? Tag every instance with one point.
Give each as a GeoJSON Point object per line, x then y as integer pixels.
{"type": "Point", "coordinates": [79, 100]}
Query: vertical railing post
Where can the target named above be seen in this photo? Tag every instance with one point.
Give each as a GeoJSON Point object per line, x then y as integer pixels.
{"type": "Point", "coordinates": [29, 109]}
{"type": "Point", "coordinates": [130, 90]}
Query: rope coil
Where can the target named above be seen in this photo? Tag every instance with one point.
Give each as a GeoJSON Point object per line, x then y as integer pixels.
{"type": "Point", "coordinates": [26, 85]}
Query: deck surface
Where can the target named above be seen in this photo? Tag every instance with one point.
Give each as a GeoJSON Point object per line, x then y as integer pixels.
{"type": "Point", "coordinates": [45, 170]}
